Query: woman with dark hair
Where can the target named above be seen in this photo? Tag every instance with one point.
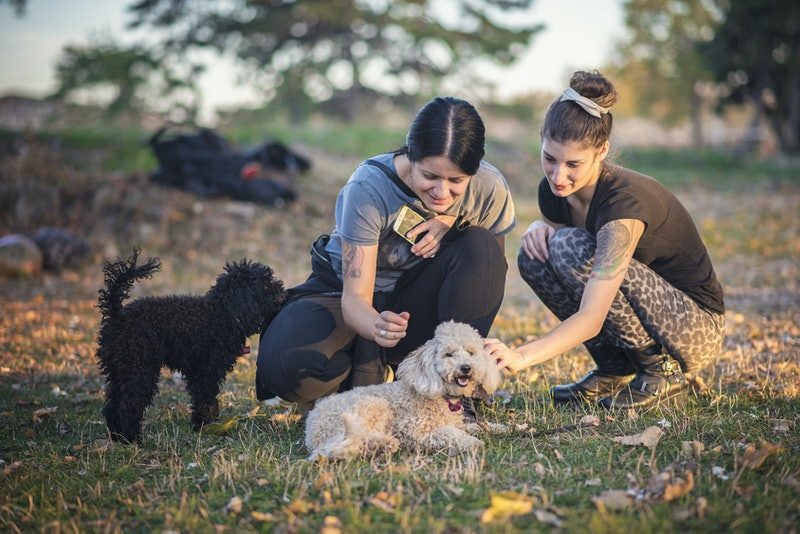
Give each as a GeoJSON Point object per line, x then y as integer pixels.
{"type": "Point", "coordinates": [383, 280]}
{"type": "Point", "coordinates": [619, 261]}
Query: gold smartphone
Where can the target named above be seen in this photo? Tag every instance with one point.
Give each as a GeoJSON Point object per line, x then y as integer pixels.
{"type": "Point", "coordinates": [407, 219]}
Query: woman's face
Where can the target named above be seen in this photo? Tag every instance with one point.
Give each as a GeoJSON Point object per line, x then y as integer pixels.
{"type": "Point", "coordinates": [570, 166]}
{"type": "Point", "coordinates": [438, 182]}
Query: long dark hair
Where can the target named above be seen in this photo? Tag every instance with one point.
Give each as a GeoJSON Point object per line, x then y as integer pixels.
{"type": "Point", "coordinates": [450, 127]}
{"type": "Point", "coordinates": [567, 122]}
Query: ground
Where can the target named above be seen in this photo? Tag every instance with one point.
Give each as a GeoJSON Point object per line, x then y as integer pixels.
{"type": "Point", "coordinates": [729, 461]}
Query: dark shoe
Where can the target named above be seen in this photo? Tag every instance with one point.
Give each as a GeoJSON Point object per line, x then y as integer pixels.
{"type": "Point", "coordinates": [595, 385]}
{"type": "Point", "coordinates": [658, 379]}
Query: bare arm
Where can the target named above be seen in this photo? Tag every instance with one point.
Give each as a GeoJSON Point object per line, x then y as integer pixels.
{"type": "Point", "coordinates": [358, 278]}
{"type": "Point", "coordinates": [616, 242]}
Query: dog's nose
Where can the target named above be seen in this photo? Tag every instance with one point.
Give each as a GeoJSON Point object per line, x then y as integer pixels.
{"type": "Point", "coordinates": [465, 369]}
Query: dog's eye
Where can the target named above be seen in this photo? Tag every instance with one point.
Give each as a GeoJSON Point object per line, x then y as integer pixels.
{"type": "Point", "coordinates": [448, 354]}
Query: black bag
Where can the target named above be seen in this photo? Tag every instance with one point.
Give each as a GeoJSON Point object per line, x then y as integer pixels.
{"type": "Point", "coordinates": [206, 165]}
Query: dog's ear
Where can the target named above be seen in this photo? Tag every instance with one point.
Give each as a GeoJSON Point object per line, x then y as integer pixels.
{"type": "Point", "coordinates": [491, 377]}
{"type": "Point", "coordinates": [418, 369]}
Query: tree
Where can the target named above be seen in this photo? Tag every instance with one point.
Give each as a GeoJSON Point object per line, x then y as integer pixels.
{"type": "Point", "coordinates": [315, 49]}
{"type": "Point", "coordinates": [125, 76]}
{"type": "Point", "coordinates": [660, 58]}
{"type": "Point", "coordinates": [755, 55]}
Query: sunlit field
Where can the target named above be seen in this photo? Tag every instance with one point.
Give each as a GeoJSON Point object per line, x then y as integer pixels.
{"type": "Point", "coordinates": [730, 460]}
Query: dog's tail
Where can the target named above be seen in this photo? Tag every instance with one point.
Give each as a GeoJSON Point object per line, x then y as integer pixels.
{"type": "Point", "coordinates": [119, 279]}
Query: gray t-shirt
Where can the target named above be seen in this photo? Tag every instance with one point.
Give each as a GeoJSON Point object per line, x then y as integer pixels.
{"type": "Point", "coordinates": [370, 201]}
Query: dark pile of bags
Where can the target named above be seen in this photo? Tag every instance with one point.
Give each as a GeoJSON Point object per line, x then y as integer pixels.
{"type": "Point", "coordinates": [206, 165]}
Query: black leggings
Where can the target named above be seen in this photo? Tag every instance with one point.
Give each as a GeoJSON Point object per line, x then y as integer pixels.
{"type": "Point", "coordinates": [308, 351]}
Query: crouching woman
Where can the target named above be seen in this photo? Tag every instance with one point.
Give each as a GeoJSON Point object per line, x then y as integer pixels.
{"type": "Point", "coordinates": [617, 258]}
{"type": "Point", "coordinates": [380, 286]}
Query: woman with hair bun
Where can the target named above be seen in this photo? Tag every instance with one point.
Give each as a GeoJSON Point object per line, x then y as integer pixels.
{"type": "Point", "coordinates": [418, 239]}
{"type": "Point", "coordinates": [617, 258]}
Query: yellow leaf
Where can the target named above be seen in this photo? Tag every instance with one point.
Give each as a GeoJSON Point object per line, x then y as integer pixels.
{"type": "Point", "coordinates": [41, 413]}
{"type": "Point", "coordinates": [301, 507]}
{"type": "Point", "coordinates": [234, 505]}
{"type": "Point", "coordinates": [613, 500]}
{"type": "Point", "coordinates": [261, 516]}
{"type": "Point", "coordinates": [331, 525]}
{"type": "Point", "coordinates": [222, 428]}
{"type": "Point", "coordinates": [285, 418]}
{"type": "Point", "coordinates": [680, 488]}
{"type": "Point", "coordinates": [753, 458]}
{"type": "Point", "coordinates": [649, 437]}
{"type": "Point", "coordinates": [507, 504]}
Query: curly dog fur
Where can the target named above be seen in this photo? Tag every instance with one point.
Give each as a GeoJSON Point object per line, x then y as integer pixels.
{"type": "Point", "coordinates": [421, 410]}
{"type": "Point", "coordinates": [199, 336]}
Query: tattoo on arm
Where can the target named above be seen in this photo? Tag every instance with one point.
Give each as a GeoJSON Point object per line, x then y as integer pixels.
{"type": "Point", "coordinates": [352, 258]}
{"type": "Point", "coordinates": [613, 242]}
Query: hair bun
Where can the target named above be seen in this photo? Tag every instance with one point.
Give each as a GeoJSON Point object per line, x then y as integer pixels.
{"type": "Point", "coordinates": [595, 86]}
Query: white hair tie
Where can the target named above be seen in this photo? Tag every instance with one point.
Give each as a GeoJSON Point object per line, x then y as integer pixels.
{"type": "Point", "coordinates": [590, 106]}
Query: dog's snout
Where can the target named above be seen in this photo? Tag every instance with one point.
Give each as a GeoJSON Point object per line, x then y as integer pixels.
{"type": "Point", "coordinates": [465, 369]}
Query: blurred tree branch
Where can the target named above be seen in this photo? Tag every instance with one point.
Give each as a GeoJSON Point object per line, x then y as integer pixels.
{"type": "Point", "coordinates": [309, 51]}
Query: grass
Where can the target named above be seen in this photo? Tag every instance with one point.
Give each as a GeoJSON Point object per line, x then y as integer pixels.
{"type": "Point", "coordinates": [60, 473]}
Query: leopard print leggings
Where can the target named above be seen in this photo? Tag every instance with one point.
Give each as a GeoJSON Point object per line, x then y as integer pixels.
{"type": "Point", "coordinates": [646, 311]}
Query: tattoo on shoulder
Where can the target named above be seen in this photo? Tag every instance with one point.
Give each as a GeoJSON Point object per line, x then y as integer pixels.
{"type": "Point", "coordinates": [613, 242]}
{"type": "Point", "coordinates": [352, 258]}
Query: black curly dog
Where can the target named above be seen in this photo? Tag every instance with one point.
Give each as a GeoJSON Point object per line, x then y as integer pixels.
{"type": "Point", "coordinates": [199, 336]}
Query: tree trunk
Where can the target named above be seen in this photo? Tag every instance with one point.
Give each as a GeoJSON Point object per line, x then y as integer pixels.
{"type": "Point", "coordinates": [696, 113]}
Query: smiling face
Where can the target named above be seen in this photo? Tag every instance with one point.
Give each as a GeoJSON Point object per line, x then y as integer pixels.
{"type": "Point", "coordinates": [438, 182]}
{"type": "Point", "coordinates": [570, 166]}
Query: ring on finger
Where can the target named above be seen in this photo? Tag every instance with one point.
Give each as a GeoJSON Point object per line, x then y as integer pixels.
{"type": "Point", "coordinates": [382, 333]}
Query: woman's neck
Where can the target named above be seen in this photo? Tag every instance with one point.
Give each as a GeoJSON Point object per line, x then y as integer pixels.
{"type": "Point", "coordinates": [403, 167]}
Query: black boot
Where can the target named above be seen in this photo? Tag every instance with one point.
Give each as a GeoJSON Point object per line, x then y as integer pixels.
{"type": "Point", "coordinates": [614, 371]}
{"type": "Point", "coordinates": [658, 378]}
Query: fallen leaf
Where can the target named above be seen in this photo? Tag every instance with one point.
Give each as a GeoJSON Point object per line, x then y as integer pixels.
{"type": "Point", "coordinates": [692, 448]}
{"type": "Point", "coordinates": [679, 488]}
{"type": "Point", "coordinates": [558, 455]}
{"type": "Point", "coordinates": [384, 501]}
{"type": "Point", "coordinates": [700, 506]}
{"type": "Point", "coordinates": [40, 414]}
{"type": "Point", "coordinates": [592, 482]}
{"type": "Point", "coordinates": [649, 437]}
{"type": "Point", "coordinates": [540, 469]}
{"type": "Point", "coordinates": [590, 419]}
{"type": "Point", "coordinates": [220, 429]}
{"type": "Point", "coordinates": [507, 504]}
{"type": "Point", "coordinates": [324, 479]}
{"type": "Point", "coordinates": [754, 457]}
{"type": "Point", "coordinates": [10, 468]}
{"type": "Point", "coordinates": [285, 418]}
{"type": "Point", "coordinates": [301, 507]}
{"type": "Point", "coordinates": [613, 500]}
{"type": "Point", "coordinates": [331, 525]}
{"type": "Point", "coordinates": [234, 505]}
{"type": "Point", "coordinates": [261, 517]}
{"type": "Point", "coordinates": [548, 518]}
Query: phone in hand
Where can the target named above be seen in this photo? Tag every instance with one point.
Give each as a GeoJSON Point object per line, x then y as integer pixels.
{"type": "Point", "coordinates": [407, 219]}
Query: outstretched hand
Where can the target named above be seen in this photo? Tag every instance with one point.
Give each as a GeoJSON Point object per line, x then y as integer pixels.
{"type": "Point", "coordinates": [506, 358]}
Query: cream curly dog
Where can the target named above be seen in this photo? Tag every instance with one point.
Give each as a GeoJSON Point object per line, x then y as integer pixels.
{"type": "Point", "coordinates": [422, 410]}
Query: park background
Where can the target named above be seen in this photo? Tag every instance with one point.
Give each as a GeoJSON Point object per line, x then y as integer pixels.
{"type": "Point", "coordinates": [709, 105]}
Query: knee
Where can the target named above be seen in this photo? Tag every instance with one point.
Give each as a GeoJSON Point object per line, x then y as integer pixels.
{"type": "Point", "coordinates": [478, 245]}
{"type": "Point", "coordinates": [570, 248]}
{"type": "Point", "coordinates": [530, 269]}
